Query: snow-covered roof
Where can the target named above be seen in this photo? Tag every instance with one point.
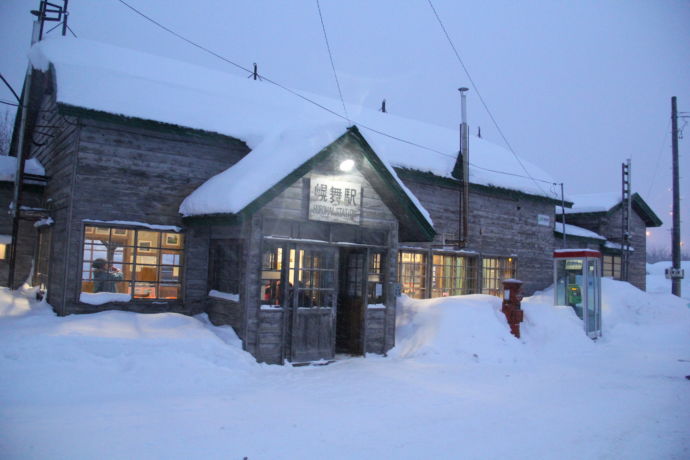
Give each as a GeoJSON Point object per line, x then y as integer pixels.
{"type": "Point", "coordinates": [268, 163]}
{"type": "Point", "coordinates": [574, 230]}
{"type": "Point", "coordinates": [8, 168]}
{"type": "Point", "coordinates": [169, 91]}
{"type": "Point", "coordinates": [232, 190]}
{"type": "Point", "coordinates": [592, 202]}
{"type": "Point", "coordinates": [605, 202]}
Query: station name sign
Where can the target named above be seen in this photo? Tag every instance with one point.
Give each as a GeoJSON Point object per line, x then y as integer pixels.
{"type": "Point", "coordinates": [333, 200]}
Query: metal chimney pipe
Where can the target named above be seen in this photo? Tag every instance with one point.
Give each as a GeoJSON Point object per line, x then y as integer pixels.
{"type": "Point", "coordinates": [463, 105]}
{"type": "Point", "coordinates": [465, 152]}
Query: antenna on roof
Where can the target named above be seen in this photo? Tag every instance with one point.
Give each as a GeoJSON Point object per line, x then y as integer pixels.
{"type": "Point", "coordinates": [255, 73]}
{"type": "Point", "coordinates": [383, 106]}
{"type": "Point", "coordinates": [49, 11]}
{"type": "Point", "coordinates": [479, 132]}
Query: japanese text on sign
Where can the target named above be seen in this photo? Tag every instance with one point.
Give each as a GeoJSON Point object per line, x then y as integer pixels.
{"type": "Point", "coordinates": [332, 200]}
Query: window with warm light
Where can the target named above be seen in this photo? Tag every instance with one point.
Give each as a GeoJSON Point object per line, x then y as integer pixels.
{"type": "Point", "coordinates": [412, 274]}
{"type": "Point", "coordinates": [146, 264]}
{"type": "Point", "coordinates": [453, 275]}
{"type": "Point", "coordinates": [494, 271]}
{"type": "Point", "coordinates": [3, 251]}
{"type": "Point", "coordinates": [611, 266]}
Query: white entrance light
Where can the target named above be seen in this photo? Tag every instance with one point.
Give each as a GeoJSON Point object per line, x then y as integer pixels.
{"type": "Point", "coordinates": [347, 165]}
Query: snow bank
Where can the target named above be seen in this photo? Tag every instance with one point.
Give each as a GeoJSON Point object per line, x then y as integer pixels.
{"type": "Point", "coordinates": [108, 384]}
{"type": "Point", "coordinates": [472, 328]}
{"type": "Point", "coordinates": [658, 284]}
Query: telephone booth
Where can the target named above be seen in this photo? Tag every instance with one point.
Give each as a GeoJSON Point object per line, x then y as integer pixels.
{"type": "Point", "coordinates": [577, 277]}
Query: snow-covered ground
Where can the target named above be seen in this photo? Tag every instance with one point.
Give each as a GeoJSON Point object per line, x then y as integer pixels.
{"type": "Point", "coordinates": [657, 282]}
{"type": "Point", "coordinates": [457, 385]}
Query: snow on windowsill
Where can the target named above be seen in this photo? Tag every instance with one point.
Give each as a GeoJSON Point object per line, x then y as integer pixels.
{"type": "Point", "coordinates": [224, 295]}
{"type": "Point", "coordinates": [100, 298]}
{"type": "Point", "coordinates": [376, 306]}
{"type": "Point", "coordinates": [171, 228]}
{"type": "Point", "coordinates": [271, 307]}
{"type": "Point", "coordinates": [44, 222]}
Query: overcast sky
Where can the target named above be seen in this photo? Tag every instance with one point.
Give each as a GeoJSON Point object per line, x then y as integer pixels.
{"type": "Point", "coordinates": [576, 87]}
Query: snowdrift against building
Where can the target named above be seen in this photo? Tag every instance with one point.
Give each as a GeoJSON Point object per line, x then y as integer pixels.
{"type": "Point", "coordinates": [460, 329]}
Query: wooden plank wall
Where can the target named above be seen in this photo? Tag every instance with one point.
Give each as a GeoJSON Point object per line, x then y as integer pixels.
{"type": "Point", "coordinates": [58, 157]}
{"type": "Point", "coordinates": [130, 174]}
{"type": "Point", "coordinates": [264, 338]}
{"type": "Point", "coordinates": [500, 224]}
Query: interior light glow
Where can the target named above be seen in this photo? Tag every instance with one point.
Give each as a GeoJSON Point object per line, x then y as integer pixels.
{"type": "Point", "coordinates": [347, 165]}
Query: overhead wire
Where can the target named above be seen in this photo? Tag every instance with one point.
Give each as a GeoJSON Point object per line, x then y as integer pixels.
{"type": "Point", "coordinates": [321, 106]}
{"type": "Point", "coordinates": [658, 159]}
{"type": "Point", "coordinates": [330, 56]}
{"type": "Point", "coordinates": [11, 89]}
{"type": "Point", "coordinates": [481, 99]}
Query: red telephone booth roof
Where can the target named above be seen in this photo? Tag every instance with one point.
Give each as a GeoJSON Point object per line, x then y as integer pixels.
{"type": "Point", "coordinates": [568, 253]}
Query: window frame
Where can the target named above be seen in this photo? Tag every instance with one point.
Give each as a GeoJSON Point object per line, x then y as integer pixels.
{"type": "Point", "coordinates": [418, 279]}
{"type": "Point", "coordinates": [132, 261]}
{"type": "Point", "coordinates": [455, 275]}
{"type": "Point", "coordinates": [615, 268]}
{"type": "Point", "coordinates": [502, 268]}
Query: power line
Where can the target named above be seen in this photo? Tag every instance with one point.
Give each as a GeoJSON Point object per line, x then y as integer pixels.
{"type": "Point", "coordinates": [658, 158]}
{"type": "Point", "coordinates": [306, 99]}
{"type": "Point", "coordinates": [330, 55]}
{"type": "Point", "coordinates": [486, 107]}
{"type": "Point", "coordinates": [11, 89]}
{"type": "Point", "coordinates": [14, 104]}
{"type": "Point", "coordinates": [223, 58]}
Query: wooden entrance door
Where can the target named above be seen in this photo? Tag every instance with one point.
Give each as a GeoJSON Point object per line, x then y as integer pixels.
{"type": "Point", "coordinates": [350, 314]}
{"type": "Point", "coordinates": [312, 294]}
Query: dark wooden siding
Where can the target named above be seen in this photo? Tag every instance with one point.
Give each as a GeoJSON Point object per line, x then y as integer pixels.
{"type": "Point", "coordinates": [129, 174]}
{"type": "Point", "coordinates": [501, 223]}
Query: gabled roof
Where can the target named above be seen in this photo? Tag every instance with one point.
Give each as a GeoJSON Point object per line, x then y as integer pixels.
{"type": "Point", "coordinates": [275, 164]}
{"type": "Point", "coordinates": [107, 79]}
{"type": "Point", "coordinates": [607, 203]}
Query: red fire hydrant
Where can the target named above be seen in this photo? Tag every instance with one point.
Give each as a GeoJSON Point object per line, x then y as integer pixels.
{"type": "Point", "coordinates": [512, 296]}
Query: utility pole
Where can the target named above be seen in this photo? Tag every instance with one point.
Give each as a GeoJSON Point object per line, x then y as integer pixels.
{"type": "Point", "coordinates": [676, 273]}
{"type": "Point", "coordinates": [565, 244]}
{"type": "Point", "coordinates": [625, 220]}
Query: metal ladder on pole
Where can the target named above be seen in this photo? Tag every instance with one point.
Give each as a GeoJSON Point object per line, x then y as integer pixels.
{"type": "Point", "coordinates": [625, 221]}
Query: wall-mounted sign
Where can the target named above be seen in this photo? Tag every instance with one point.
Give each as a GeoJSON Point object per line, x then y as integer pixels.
{"type": "Point", "coordinates": [543, 219]}
{"type": "Point", "coordinates": [333, 200]}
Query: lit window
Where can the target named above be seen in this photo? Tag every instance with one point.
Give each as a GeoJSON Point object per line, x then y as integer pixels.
{"type": "Point", "coordinates": [145, 264]}
{"type": "Point", "coordinates": [452, 275]}
{"type": "Point", "coordinates": [412, 274]}
{"type": "Point", "coordinates": [494, 271]}
{"type": "Point", "coordinates": [375, 293]}
{"type": "Point", "coordinates": [611, 266]}
{"type": "Point", "coordinates": [3, 251]}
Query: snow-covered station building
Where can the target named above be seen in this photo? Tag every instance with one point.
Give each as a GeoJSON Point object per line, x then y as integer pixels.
{"type": "Point", "coordinates": [159, 186]}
